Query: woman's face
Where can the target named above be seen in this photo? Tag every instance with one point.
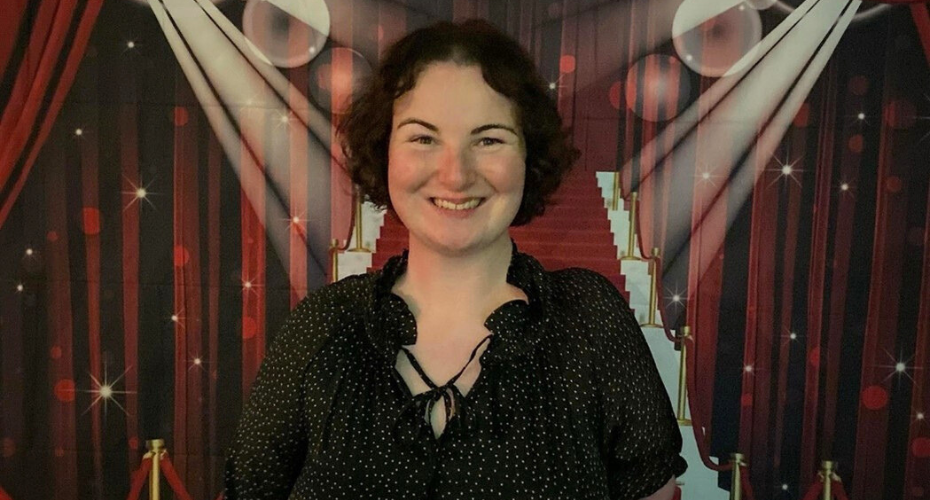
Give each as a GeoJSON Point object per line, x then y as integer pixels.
{"type": "Point", "coordinates": [454, 138]}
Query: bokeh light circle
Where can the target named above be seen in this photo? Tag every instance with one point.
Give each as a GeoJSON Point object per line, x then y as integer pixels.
{"type": "Point", "coordinates": [286, 33]}
{"type": "Point", "coordinates": [874, 397]}
{"type": "Point", "coordinates": [335, 76]}
{"type": "Point", "coordinates": [657, 88]}
{"type": "Point", "coordinates": [714, 46]}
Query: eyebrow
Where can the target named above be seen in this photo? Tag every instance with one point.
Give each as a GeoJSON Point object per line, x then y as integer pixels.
{"type": "Point", "coordinates": [478, 130]}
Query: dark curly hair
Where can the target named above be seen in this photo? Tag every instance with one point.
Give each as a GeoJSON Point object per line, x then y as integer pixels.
{"type": "Point", "coordinates": [506, 67]}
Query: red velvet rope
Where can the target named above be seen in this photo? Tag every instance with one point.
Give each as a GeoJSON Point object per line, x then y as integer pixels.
{"type": "Point", "coordinates": [747, 486]}
{"type": "Point", "coordinates": [814, 491]}
{"type": "Point", "coordinates": [839, 491]}
{"type": "Point", "coordinates": [172, 476]}
{"type": "Point", "coordinates": [697, 420]}
{"type": "Point", "coordinates": [138, 478]}
{"type": "Point", "coordinates": [141, 474]}
{"type": "Point", "coordinates": [659, 294]}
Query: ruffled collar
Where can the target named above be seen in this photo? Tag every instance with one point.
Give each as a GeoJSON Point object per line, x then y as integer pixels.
{"type": "Point", "coordinates": [516, 325]}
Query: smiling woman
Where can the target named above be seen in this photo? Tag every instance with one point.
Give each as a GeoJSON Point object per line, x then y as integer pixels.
{"type": "Point", "coordinates": [462, 369]}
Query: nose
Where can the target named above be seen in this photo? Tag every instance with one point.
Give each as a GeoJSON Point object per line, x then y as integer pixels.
{"type": "Point", "coordinates": [456, 169]}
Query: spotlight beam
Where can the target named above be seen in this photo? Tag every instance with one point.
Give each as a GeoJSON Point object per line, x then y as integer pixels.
{"type": "Point", "coordinates": [658, 149]}
{"type": "Point", "coordinates": [751, 168]}
{"type": "Point", "coordinates": [215, 57]}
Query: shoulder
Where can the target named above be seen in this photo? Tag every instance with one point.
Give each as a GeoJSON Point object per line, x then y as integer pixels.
{"type": "Point", "coordinates": [586, 290]}
{"type": "Point", "coordinates": [319, 316]}
{"type": "Point", "coordinates": [588, 297]}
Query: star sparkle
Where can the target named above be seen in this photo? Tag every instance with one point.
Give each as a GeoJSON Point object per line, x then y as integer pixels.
{"type": "Point", "coordinates": [555, 84]}
{"type": "Point", "coordinates": [106, 391]}
{"type": "Point", "coordinates": [899, 367]}
{"type": "Point", "coordinates": [786, 170]}
{"type": "Point", "coordinates": [676, 298]}
{"type": "Point", "coordinates": [196, 361]}
{"type": "Point", "coordinates": [704, 175]}
{"type": "Point", "coordinates": [138, 193]}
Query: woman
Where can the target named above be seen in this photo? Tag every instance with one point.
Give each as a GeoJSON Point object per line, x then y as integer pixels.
{"type": "Point", "coordinates": [462, 369]}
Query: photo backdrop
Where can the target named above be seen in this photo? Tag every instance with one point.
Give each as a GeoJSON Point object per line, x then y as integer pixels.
{"type": "Point", "coordinates": [166, 197]}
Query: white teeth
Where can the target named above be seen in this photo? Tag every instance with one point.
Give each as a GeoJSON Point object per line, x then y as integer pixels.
{"type": "Point", "coordinates": [452, 206]}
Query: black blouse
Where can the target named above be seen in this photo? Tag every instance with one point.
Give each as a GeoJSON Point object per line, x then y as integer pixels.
{"type": "Point", "coordinates": [568, 402]}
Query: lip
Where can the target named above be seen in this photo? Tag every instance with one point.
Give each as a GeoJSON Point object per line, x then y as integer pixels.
{"type": "Point", "coordinates": [457, 214]}
{"type": "Point", "coordinates": [457, 201]}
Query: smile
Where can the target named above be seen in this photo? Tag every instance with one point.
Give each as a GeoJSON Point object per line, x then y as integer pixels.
{"type": "Point", "coordinates": [468, 205]}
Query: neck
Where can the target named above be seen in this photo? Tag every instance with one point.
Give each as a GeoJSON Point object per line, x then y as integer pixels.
{"type": "Point", "coordinates": [454, 285]}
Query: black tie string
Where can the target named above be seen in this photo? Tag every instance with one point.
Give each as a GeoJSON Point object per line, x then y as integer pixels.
{"type": "Point", "coordinates": [448, 392]}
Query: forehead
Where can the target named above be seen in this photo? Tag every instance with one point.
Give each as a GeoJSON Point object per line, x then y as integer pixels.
{"type": "Point", "coordinates": [454, 94]}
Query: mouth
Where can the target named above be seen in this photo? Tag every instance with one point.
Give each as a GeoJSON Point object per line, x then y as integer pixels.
{"type": "Point", "coordinates": [464, 207]}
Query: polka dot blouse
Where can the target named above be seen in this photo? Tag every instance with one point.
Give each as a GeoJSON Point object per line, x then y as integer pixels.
{"type": "Point", "coordinates": [568, 402]}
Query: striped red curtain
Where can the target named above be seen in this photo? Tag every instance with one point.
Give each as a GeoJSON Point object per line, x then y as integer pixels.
{"type": "Point", "coordinates": [41, 46]}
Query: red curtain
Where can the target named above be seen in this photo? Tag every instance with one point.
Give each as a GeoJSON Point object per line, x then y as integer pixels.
{"type": "Point", "coordinates": [42, 43]}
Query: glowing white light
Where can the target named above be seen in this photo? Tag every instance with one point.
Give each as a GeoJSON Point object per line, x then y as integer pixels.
{"type": "Point", "coordinates": [861, 116]}
{"type": "Point", "coordinates": [705, 176]}
{"type": "Point", "coordinates": [786, 170]}
{"type": "Point", "coordinates": [748, 368]}
{"type": "Point", "coordinates": [130, 44]}
{"type": "Point", "coordinates": [247, 284]}
{"type": "Point", "coordinates": [689, 57]}
{"type": "Point", "coordinates": [676, 298]}
{"type": "Point", "coordinates": [844, 187]}
{"type": "Point", "coordinates": [284, 119]}
{"type": "Point", "coordinates": [174, 317]}
{"type": "Point", "coordinates": [552, 85]}
{"type": "Point", "coordinates": [29, 251]}
{"type": "Point", "coordinates": [104, 390]}
{"type": "Point", "coordinates": [900, 367]}
{"type": "Point", "coordinates": [198, 361]}
{"type": "Point", "coordinates": [793, 336]}
{"type": "Point", "coordinates": [742, 7]}
{"type": "Point", "coordinates": [78, 131]}
{"type": "Point", "coordinates": [19, 287]}
{"type": "Point", "coordinates": [784, 487]}
{"type": "Point", "coordinates": [141, 193]}
{"type": "Point", "coordinates": [920, 415]}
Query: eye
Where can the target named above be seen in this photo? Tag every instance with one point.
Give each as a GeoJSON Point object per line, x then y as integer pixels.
{"type": "Point", "coordinates": [422, 139]}
{"type": "Point", "coordinates": [489, 141]}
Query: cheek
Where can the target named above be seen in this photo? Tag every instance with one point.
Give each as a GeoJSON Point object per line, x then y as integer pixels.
{"type": "Point", "coordinates": [511, 174]}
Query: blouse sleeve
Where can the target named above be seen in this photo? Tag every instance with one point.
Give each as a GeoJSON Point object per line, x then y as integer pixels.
{"type": "Point", "coordinates": [643, 439]}
{"type": "Point", "coordinates": [270, 443]}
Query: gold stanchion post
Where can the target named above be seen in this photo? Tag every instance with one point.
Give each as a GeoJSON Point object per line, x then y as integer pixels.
{"type": "Point", "coordinates": [616, 197]}
{"type": "Point", "coordinates": [156, 448]}
{"type": "Point", "coordinates": [736, 482]}
{"type": "Point", "coordinates": [334, 258]}
{"type": "Point", "coordinates": [654, 290]}
{"type": "Point", "coordinates": [359, 244]}
{"type": "Point", "coordinates": [826, 474]}
{"type": "Point", "coordinates": [683, 376]}
{"type": "Point", "coordinates": [631, 236]}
